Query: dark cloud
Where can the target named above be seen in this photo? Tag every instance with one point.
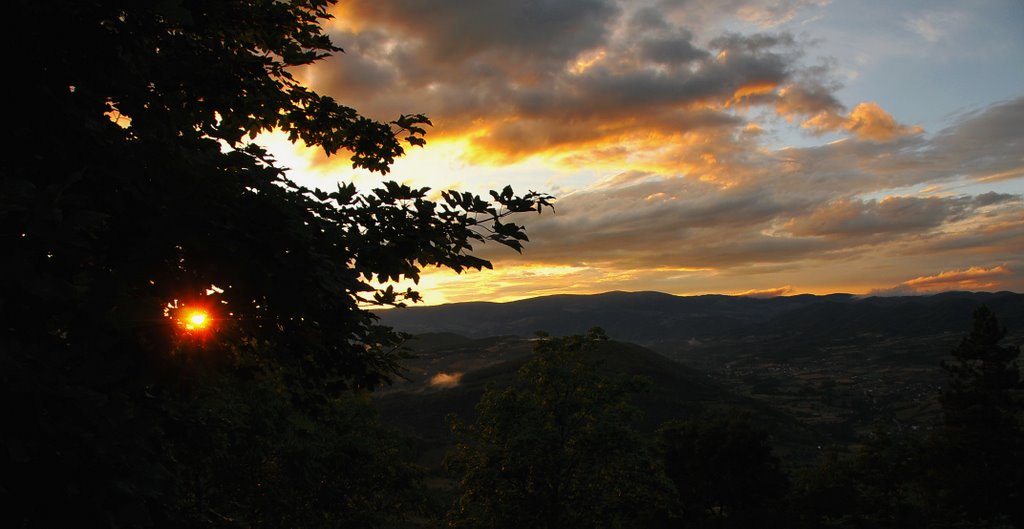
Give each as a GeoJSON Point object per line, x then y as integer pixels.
{"type": "Point", "coordinates": [530, 78]}
{"type": "Point", "coordinates": [850, 218]}
{"type": "Point", "coordinates": [764, 13]}
{"type": "Point", "coordinates": [673, 222]}
{"type": "Point", "coordinates": [672, 50]}
{"type": "Point", "coordinates": [1001, 238]}
{"type": "Point", "coordinates": [807, 99]}
{"type": "Point", "coordinates": [984, 143]}
{"type": "Point", "coordinates": [756, 43]}
{"type": "Point", "coordinates": [648, 19]}
{"type": "Point", "coordinates": [458, 30]}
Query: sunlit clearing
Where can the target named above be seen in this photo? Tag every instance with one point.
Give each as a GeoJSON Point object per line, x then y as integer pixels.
{"type": "Point", "coordinates": [445, 380]}
{"type": "Point", "coordinates": [118, 118]}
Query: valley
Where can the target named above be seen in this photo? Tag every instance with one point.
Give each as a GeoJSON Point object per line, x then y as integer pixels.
{"type": "Point", "coordinates": [816, 371]}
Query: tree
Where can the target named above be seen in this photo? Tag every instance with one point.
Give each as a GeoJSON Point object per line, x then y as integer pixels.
{"type": "Point", "coordinates": [131, 193]}
{"type": "Point", "coordinates": [883, 484]}
{"type": "Point", "coordinates": [246, 455]}
{"type": "Point", "coordinates": [984, 379]}
{"type": "Point", "coordinates": [981, 447]}
{"type": "Point", "coordinates": [556, 450]}
{"type": "Point", "coordinates": [724, 472]}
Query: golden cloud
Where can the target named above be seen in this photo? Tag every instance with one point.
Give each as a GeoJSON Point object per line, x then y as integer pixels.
{"type": "Point", "coordinates": [752, 92]}
{"type": "Point", "coordinates": [974, 278]}
{"type": "Point", "coordinates": [768, 292]}
{"type": "Point", "coordinates": [867, 122]}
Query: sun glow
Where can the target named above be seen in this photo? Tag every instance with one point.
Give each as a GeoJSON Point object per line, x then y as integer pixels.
{"type": "Point", "coordinates": [195, 320]}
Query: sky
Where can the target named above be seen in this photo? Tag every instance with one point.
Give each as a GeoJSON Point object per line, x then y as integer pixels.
{"type": "Point", "coordinates": [742, 147]}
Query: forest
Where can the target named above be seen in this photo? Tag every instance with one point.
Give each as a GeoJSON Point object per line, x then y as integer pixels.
{"type": "Point", "coordinates": [192, 339]}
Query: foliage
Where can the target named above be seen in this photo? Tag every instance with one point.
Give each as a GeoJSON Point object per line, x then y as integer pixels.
{"type": "Point", "coordinates": [883, 484]}
{"type": "Point", "coordinates": [966, 473]}
{"type": "Point", "coordinates": [245, 455]}
{"type": "Point", "coordinates": [724, 472]}
{"type": "Point", "coordinates": [984, 379]}
{"type": "Point", "coordinates": [130, 190]}
{"type": "Point", "coordinates": [557, 450]}
{"type": "Point", "coordinates": [980, 450]}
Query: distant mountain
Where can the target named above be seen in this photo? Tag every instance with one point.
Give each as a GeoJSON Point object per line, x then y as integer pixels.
{"type": "Point", "coordinates": [655, 319]}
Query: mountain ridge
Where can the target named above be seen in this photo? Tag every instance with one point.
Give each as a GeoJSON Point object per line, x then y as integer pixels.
{"type": "Point", "coordinates": [655, 318]}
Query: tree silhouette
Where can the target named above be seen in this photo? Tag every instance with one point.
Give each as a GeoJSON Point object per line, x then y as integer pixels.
{"type": "Point", "coordinates": [243, 456]}
{"type": "Point", "coordinates": [984, 379]}
{"type": "Point", "coordinates": [724, 472]}
{"type": "Point", "coordinates": [883, 484]}
{"type": "Point", "coordinates": [131, 193]}
{"type": "Point", "coordinates": [981, 446]}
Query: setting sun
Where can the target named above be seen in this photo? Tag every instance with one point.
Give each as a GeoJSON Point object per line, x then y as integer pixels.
{"type": "Point", "coordinates": [196, 320]}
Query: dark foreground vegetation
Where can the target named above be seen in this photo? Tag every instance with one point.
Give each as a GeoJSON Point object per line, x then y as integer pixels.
{"type": "Point", "coordinates": [131, 196]}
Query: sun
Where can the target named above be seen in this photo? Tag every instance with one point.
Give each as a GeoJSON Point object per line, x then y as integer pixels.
{"type": "Point", "coordinates": [195, 320]}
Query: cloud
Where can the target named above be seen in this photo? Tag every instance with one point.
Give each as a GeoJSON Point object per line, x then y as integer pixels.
{"type": "Point", "coordinates": [984, 143]}
{"type": "Point", "coordinates": [799, 204]}
{"type": "Point", "coordinates": [762, 13]}
{"type": "Point", "coordinates": [768, 292]}
{"type": "Point", "coordinates": [662, 132]}
{"type": "Point", "coordinates": [808, 99]}
{"type": "Point", "coordinates": [974, 279]}
{"type": "Point", "coordinates": [796, 205]}
{"type": "Point", "coordinates": [867, 121]}
{"type": "Point", "coordinates": [895, 214]}
{"type": "Point", "coordinates": [556, 80]}
{"type": "Point", "coordinates": [459, 30]}
{"type": "Point", "coordinates": [935, 26]}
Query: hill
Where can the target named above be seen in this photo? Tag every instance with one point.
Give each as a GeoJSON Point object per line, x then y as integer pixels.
{"type": "Point", "coordinates": [656, 319]}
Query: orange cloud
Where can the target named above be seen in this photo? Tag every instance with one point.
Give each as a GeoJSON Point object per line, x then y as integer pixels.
{"type": "Point", "coordinates": [768, 292]}
{"type": "Point", "coordinates": [974, 278]}
{"type": "Point", "coordinates": [751, 92]}
{"type": "Point", "coordinates": [867, 121]}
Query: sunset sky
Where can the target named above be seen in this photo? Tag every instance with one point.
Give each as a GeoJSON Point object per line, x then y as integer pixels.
{"type": "Point", "coordinates": [699, 146]}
